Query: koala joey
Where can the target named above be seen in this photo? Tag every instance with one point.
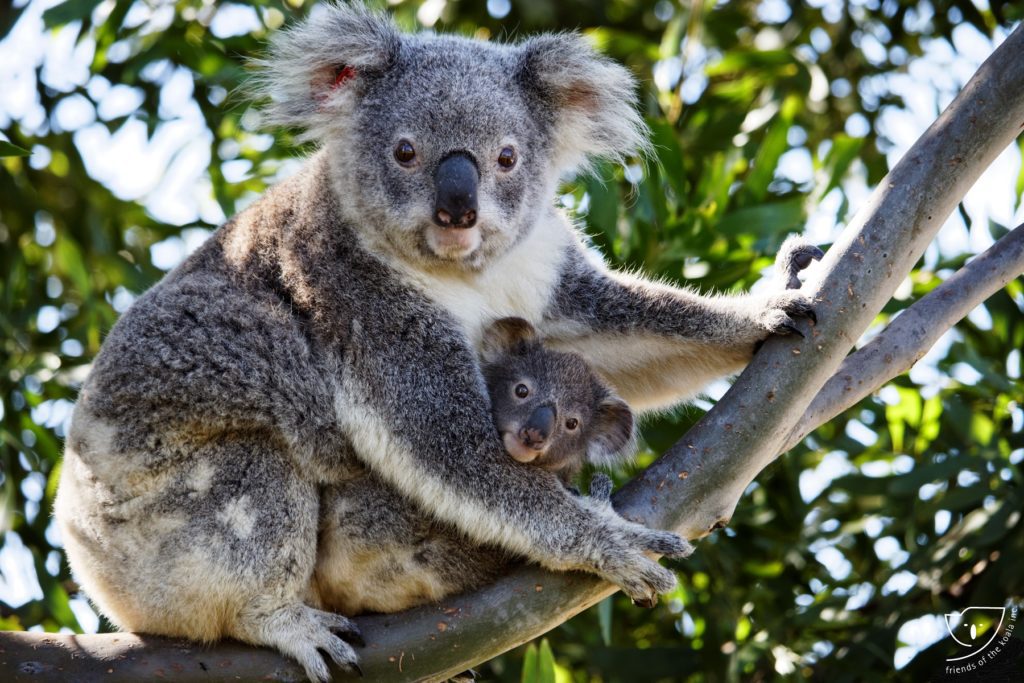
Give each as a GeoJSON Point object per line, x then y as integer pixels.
{"type": "Point", "coordinates": [380, 553]}
{"type": "Point", "coordinates": [331, 330]}
{"type": "Point", "coordinates": [549, 407]}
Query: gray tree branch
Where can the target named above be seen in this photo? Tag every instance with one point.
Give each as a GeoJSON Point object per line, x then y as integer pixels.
{"type": "Point", "coordinates": [909, 336]}
{"type": "Point", "coordinates": [692, 488]}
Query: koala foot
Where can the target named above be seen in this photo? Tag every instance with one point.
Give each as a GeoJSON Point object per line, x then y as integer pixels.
{"type": "Point", "coordinates": [308, 634]}
{"type": "Point", "coordinates": [619, 548]}
{"type": "Point", "coordinates": [795, 255]}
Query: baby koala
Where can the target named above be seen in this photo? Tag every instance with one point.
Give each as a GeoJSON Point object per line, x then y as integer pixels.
{"type": "Point", "coordinates": [550, 407]}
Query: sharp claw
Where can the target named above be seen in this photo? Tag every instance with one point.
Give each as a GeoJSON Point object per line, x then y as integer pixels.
{"type": "Point", "coordinates": [649, 602]}
{"type": "Point", "coordinates": [356, 638]}
{"type": "Point", "coordinates": [791, 329]}
{"type": "Point", "coordinates": [802, 260]}
{"type": "Point", "coordinates": [356, 669]}
{"type": "Point", "coordinates": [812, 315]}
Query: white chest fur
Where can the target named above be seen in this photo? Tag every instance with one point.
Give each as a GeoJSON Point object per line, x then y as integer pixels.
{"type": "Point", "coordinates": [519, 284]}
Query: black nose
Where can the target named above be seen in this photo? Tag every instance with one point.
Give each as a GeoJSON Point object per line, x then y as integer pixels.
{"type": "Point", "coordinates": [455, 183]}
{"type": "Point", "coordinates": [538, 428]}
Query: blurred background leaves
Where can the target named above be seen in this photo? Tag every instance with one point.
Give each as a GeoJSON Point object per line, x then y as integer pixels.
{"type": "Point", "coordinates": [125, 145]}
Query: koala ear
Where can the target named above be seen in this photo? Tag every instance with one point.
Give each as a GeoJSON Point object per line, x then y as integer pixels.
{"type": "Point", "coordinates": [612, 437]}
{"type": "Point", "coordinates": [311, 70]}
{"type": "Point", "coordinates": [506, 336]}
{"type": "Point", "coordinates": [591, 100]}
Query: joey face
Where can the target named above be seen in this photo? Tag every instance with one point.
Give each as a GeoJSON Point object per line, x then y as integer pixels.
{"type": "Point", "coordinates": [549, 407]}
{"type": "Point", "coordinates": [543, 405]}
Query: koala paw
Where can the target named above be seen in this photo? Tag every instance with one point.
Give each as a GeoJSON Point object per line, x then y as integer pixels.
{"type": "Point", "coordinates": [620, 549]}
{"type": "Point", "coordinates": [795, 255]}
{"type": "Point", "coordinates": [310, 634]}
{"type": "Point", "coordinates": [781, 311]}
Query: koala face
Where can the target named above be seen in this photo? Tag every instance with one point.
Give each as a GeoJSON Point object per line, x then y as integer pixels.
{"type": "Point", "coordinates": [549, 407]}
{"type": "Point", "coordinates": [452, 163]}
{"type": "Point", "coordinates": [444, 151]}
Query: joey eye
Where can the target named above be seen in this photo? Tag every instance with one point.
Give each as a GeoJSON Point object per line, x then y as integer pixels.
{"type": "Point", "coordinates": [571, 424]}
{"type": "Point", "coordinates": [507, 158]}
{"type": "Point", "coordinates": [404, 152]}
{"type": "Point", "coordinates": [522, 391]}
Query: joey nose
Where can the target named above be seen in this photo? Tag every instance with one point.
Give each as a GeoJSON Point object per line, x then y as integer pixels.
{"type": "Point", "coordinates": [538, 427]}
{"type": "Point", "coordinates": [455, 186]}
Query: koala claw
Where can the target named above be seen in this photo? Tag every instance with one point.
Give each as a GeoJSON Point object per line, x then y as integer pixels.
{"type": "Point", "coordinates": [780, 312]}
{"type": "Point", "coordinates": [348, 631]}
{"type": "Point", "coordinates": [332, 643]}
{"type": "Point", "coordinates": [622, 550]}
{"type": "Point", "coordinates": [649, 602]}
{"type": "Point", "coordinates": [792, 329]}
{"type": "Point", "coordinates": [795, 255]}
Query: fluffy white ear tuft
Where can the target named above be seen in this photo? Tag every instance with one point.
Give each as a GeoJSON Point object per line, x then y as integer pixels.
{"type": "Point", "coordinates": [591, 100]}
{"type": "Point", "coordinates": [312, 70]}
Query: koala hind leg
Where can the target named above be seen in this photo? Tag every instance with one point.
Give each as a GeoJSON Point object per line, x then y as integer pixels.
{"type": "Point", "coordinates": [302, 632]}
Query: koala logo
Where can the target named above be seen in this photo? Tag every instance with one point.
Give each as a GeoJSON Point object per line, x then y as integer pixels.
{"type": "Point", "coordinates": [975, 628]}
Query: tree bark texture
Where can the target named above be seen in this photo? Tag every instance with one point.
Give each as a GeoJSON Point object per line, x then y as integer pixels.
{"type": "Point", "coordinates": [695, 486]}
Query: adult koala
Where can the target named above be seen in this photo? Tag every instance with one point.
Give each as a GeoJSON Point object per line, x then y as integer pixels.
{"type": "Point", "coordinates": [331, 327]}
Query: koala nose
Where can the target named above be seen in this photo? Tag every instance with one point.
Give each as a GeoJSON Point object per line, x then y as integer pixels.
{"type": "Point", "coordinates": [455, 183]}
{"type": "Point", "coordinates": [539, 427]}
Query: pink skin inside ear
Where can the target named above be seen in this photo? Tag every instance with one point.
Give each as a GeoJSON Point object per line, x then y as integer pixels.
{"type": "Point", "coordinates": [344, 74]}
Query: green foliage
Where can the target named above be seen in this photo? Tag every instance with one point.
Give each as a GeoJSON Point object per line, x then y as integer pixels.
{"type": "Point", "coordinates": [918, 511]}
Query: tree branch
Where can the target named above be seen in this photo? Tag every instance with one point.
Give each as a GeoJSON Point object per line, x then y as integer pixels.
{"type": "Point", "coordinates": [915, 330]}
{"type": "Point", "coordinates": [696, 485]}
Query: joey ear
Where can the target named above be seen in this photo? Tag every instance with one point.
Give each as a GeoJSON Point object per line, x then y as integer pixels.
{"type": "Point", "coordinates": [612, 434]}
{"type": "Point", "coordinates": [505, 336]}
{"type": "Point", "coordinates": [312, 66]}
{"type": "Point", "coordinates": [591, 99]}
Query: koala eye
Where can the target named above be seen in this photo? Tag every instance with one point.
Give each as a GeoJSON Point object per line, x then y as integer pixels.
{"type": "Point", "coordinates": [507, 157]}
{"type": "Point", "coordinates": [404, 152]}
{"type": "Point", "coordinates": [571, 424]}
{"type": "Point", "coordinates": [522, 391]}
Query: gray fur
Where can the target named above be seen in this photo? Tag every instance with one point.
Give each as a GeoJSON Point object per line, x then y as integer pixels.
{"type": "Point", "coordinates": [306, 385]}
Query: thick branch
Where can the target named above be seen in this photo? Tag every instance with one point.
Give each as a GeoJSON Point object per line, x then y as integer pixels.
{"type": "Point", "coordinates": [909, 336]}
{"type": "Point", "coordinates": [696, 485]}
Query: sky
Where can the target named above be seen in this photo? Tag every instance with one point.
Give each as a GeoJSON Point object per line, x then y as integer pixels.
{"type": "Point", "coordinates": [133, 166]}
